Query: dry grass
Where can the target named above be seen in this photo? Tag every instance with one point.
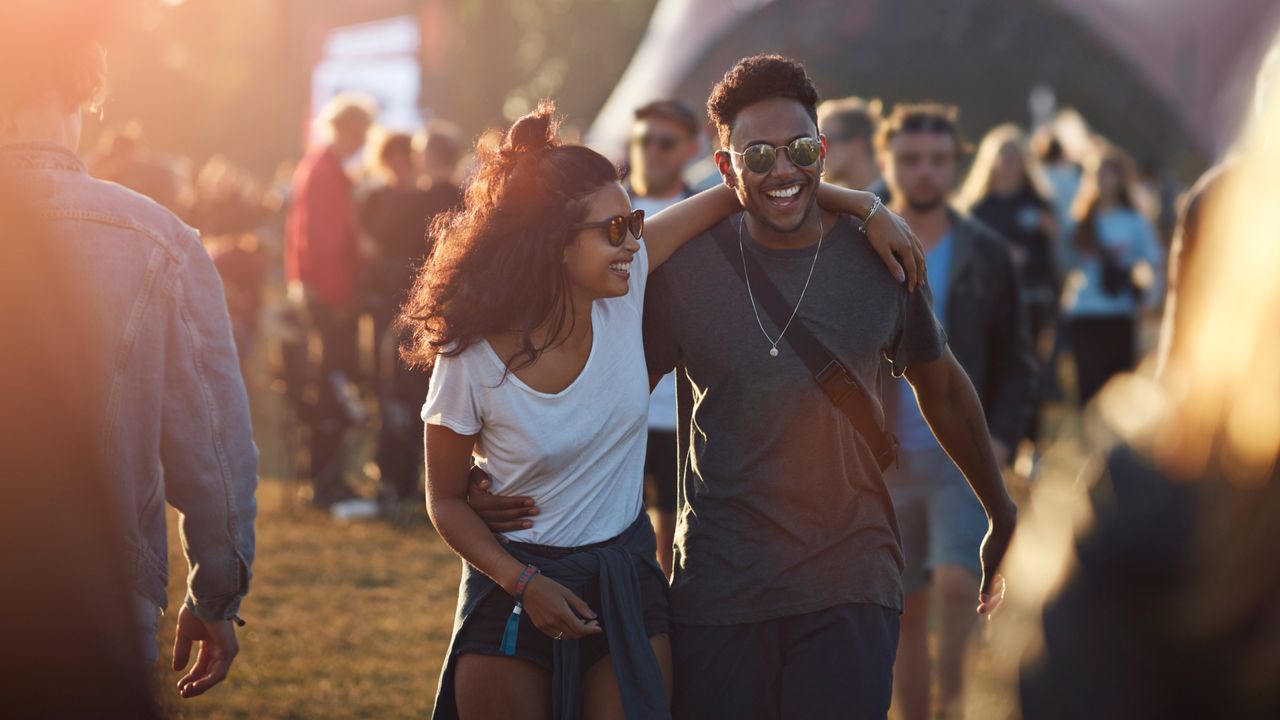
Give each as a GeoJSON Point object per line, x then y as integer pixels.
{"type": "Point", "coordinates": [344, 621]}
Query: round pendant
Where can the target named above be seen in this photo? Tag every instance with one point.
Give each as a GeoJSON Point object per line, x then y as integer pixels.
{"type": "Point", "coordinates": [773, 352]}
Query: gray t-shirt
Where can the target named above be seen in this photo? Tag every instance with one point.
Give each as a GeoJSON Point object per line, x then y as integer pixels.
{"type": "Point", "coordinates": [783, 508]}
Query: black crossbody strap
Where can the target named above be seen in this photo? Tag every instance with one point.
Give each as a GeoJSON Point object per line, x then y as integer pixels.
{"type": "Point", "coordinates": [841, 386]}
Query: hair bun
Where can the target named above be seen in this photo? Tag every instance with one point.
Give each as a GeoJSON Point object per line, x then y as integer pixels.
{"type": "Point", "coordinates": [535, 131]}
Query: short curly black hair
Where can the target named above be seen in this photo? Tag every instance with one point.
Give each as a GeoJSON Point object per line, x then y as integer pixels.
{"type": "Point", "coordinates": [757, 78]}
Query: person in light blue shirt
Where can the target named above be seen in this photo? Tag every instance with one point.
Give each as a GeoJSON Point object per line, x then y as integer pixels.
{"type": "Point", "coordinates": [1115, 271]}
{"type": "Point", "coordinates": [909, 425]}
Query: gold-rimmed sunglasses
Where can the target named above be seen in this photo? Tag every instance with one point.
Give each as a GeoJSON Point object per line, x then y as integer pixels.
{"type": "Point", "coordinates": [803, 151]}
{"type": "Point", "coordinates": [618, 225]}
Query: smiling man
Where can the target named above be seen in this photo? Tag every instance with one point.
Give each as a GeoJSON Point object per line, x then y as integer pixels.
{"type": "Point", "coordinates": [788, 568]}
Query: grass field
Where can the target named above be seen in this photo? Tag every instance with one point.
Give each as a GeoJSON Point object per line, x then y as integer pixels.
{"type": "Point", "coordinates": [344, 621]}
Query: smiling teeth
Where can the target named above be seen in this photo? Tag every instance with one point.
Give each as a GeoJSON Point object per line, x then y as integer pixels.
{"type": "Point", "coordinates": [784, 193]}
{"type": "Point", "coordinates": [621, 267]}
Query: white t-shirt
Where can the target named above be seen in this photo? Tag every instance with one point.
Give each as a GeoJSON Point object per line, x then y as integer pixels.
{"type": "Point", "coordinates": [579, 452]}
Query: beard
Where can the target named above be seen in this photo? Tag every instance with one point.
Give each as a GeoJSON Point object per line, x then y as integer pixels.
{"type": "Point", "coordinates": [656, 181]}
{"type": "Point", "coordinates": [926, 205]}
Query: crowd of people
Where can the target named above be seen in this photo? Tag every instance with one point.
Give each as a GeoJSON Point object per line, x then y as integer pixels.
{"type": "Point", "coordinates": [328, 241]}
{"type": "Point", "coordinates": [817, 367]}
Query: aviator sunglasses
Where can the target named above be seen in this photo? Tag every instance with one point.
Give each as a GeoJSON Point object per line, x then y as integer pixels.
{"type": "Point", "coordinates": [618, 226]}
{"type": "Point", "coordinates": [760, 158]}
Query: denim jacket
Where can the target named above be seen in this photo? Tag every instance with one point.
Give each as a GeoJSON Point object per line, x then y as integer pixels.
{"type": "Point", "coordinates": [172, 408]}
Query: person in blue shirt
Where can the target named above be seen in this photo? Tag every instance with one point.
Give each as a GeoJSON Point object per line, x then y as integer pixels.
{"type": "Point", "coordinates": [1115, 271]}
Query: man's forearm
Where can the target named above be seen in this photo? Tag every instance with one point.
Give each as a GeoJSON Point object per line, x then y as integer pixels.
{"type": "Point", "coordinates": [956, 418]}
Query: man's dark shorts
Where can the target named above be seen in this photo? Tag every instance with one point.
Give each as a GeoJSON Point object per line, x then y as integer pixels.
{"type": "Point", "coordinates": [833, 663]}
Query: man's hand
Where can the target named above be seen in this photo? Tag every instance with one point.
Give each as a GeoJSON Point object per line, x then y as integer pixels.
{"type": "Point", "coordinates": [994, 547]}
{"type": "Point", "coordinates": [896, 244]}
{"type": "Point", "coordinates": [501, 513]}
{"type": "Point", "coordinates": [989, 602]}
{"type": "Point", "coordinates": [218, 649]}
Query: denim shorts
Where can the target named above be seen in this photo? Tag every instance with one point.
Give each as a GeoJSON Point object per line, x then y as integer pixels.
{"type": "Point", "coordinates": [482, 633]}
{"type": "Point", "coordinates": [941, 520]}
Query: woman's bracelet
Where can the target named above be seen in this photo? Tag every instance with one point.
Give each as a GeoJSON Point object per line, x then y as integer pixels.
{"type": "Point", "coordinates": [526, 576]}
{"type": "Point", "coordinates": [875, 208]}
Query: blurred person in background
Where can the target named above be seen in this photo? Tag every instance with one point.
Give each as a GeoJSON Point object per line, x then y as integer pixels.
{"type": "Point", "coordinates": [850, 125]}
{"type": "Point", "coordinates": [1007, 189]}
{"type": "Point", "coordinates": [664, 141]}
{"type": "Point", "coordinates": [166, 400]}
{"type": "Point", "coordinates": [977, 298]}
{"type": "Point", "coordinates": [396, 217]}
{"type": "Point", "coordinates": [226, 200]}
{"type": "Point", "coordinates": [1157, 197]}
{"type": "Point", "coordinates": [122, 157]}
{"type": "Point", "coordinates": [322, 263]}
{"type": "Point", "coordinates": [1064, 178]}
{"type": "Point", "coordinates": [393, 219]}
{"type": "Point", "coordinates": [1114, 272]}
{"type": "Point", "coordinates": [1171, 604]}
{"type": "Point", "coordinates": [242, 264]}
{"type": "Point", "coordinates": [1063, 174]}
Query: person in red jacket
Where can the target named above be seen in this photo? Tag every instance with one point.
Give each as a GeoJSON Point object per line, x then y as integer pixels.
{"type": "Point", "coordinates": [322, 261]}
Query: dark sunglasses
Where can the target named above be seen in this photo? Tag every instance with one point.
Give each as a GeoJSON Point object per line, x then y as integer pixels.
{"type": "Point", "coordinates": [665, 143]}
{"type": "Point", "coordinates": [618, 226]}
{"type": "Point", "coordinates": [760, 158]}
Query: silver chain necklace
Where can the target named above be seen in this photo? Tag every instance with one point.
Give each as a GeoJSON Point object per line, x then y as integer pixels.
{"type": "Point", "coordinates": [773, 344]}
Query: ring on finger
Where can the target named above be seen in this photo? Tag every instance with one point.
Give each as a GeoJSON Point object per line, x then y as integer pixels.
{"type": "Point", "coordinates": [560, 636]}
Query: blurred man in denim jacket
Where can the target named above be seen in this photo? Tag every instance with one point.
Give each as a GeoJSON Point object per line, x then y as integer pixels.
{"type": "Point", "coordinates": [172, 412]}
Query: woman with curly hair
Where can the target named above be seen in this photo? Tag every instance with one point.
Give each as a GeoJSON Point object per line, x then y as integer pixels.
{"type": "Point", "coordinates": [529, 310]}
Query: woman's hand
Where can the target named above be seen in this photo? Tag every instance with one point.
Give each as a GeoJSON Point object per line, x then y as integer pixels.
{"type": "Point", "coordinates": [899, 248]}
{"type": "Point", "coordinates": [557, 612]}
{"type": "Point", "coordinates": [889, 234]}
